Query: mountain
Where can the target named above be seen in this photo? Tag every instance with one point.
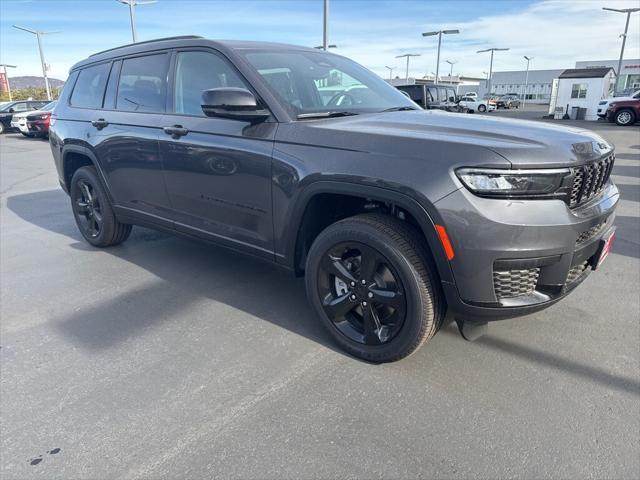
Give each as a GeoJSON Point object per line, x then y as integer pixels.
{"type": "Point", "coordinates": [18, 83]}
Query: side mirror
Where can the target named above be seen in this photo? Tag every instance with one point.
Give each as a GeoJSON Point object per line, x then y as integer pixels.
{"type": "Point", "coordinates": [235, 103]}
{"type": "Point", "coordinates": [11, 110]}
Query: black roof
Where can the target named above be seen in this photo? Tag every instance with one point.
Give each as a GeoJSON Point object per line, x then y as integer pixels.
{"type": "Point", "coordinates": [181, 41]}
{"type": "Point", "coordinates": [599, 72]}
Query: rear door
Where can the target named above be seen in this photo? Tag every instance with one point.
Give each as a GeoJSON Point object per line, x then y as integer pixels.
{"type": "Point", "coordinates": [125, 134]}
{"type": "Point", "coordinates": [416, 93]}
{"type": "Point", "coordinates": [218, 171]}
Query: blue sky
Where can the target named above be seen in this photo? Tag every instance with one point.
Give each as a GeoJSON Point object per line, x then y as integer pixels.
{"type": "Point", "coordinates": [373, 32]}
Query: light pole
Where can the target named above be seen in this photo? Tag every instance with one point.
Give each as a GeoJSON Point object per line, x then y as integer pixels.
{"type": "Point", "coordinates": [391, 69]}
{"type": "Point", "coordinates": [321, 47]}
{"type": "Point", "coordinates": [491, 64]}
{"type": "Point", "coordinates": [132, 13]}
{"type": "Point", "coordinates": [6, 77]}
{"type": "Point", "coordinates": [628, 11]}
{"type": "Point", "coordinates": [526, 81]}
{"type": "Point", "coordinates": [452, 63]}
{"type": "Point", "coordinates": [408, 55]}
{"type": "Point", "coordinates": [325, 26]}
{"type": "Point", "coordinates": [439, 33]}
{"type": "Point", "coordinates": [38, 35]}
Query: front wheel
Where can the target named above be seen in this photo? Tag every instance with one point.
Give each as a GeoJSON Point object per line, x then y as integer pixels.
{"type": "Point", "coordinates": [625, 118]}
{"type": "Point", "coordinates": [92, 210]}
{"type": "Point", "coordinates": [482, 108]}
{"type": "Point", "coordinates": [374, 287]}
{"type": "Point", "coordinates": [1, 128]}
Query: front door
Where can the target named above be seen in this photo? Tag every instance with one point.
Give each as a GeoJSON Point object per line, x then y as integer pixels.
{"type": "Point", "coordinates": [217, 170]}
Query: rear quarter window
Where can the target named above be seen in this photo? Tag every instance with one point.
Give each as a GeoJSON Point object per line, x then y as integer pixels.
{"type": "Point", "coordinates": [143, 84]}
{"type": "Point", "coordinates": [89, 88]}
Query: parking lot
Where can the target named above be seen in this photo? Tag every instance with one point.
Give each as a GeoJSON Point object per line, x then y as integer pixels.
{"type": "Point", "coordinates": [166, 358]}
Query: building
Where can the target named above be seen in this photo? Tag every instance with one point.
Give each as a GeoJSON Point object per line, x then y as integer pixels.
{"type": "Point", "coordinates": [462, 83]}
{"type": "Point", "coordinates": [537, 89]}
{"type": "Point", "coordinates": [583, 88]}
{"type": "Point", "coordinates": [628, 78]}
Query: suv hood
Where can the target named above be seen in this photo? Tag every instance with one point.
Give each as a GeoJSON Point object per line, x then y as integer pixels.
{"type": "Point", "coordinates": [525, 144]}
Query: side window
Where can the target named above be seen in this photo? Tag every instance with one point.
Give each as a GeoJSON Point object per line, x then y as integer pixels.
{"type": "Point", "coordinates": [143, 84]}
{"type": "Point", "coordinates": [451, 93]}
{"type": "Point", "coordinates": [415, 93]}
{"type": "Point", "coordinates": [112, 85]}
{"type": "Point", "coordinates": [89, 88]}
{"type": "Point", "coordinates": [20, 107]}
{"type": "Point", "coordinates": [432, 94]}
{"type": "Point", "coordinates": [197, 72]}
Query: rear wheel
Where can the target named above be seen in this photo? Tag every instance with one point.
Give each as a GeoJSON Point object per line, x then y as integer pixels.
{"type": "Point", "coordinates": [625, 117]}
{"type": "Point", "coordinates": [1, 127]}
{"type": "Point", "coordinates": [374, 287]}
{"type": "Point", "coordinates": [92, 210]}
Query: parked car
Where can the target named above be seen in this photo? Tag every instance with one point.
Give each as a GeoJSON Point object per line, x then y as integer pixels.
{"type": "Point", "coordinates": [471, 94]}
{"type": "Point", "coordinates": [38, 122]}
{"type": "Point", "coordinates": [394, 215]}
{"type": "Point", "coordinates": [603, 105]}
{"type": "Point", "coordinates": [471, 105]}
{"type": "Point", "coordinates": [624, 112]}
{"type": "Point", "coordinates": [508, 101]}
{"type": "Point", "coordinates": [7, 110]}
{"type": "Point", "coordinates": [430, 96]}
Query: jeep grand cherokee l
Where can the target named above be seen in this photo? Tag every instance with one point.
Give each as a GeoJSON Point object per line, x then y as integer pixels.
{"type": "Point", "coordinates": [394, 214]}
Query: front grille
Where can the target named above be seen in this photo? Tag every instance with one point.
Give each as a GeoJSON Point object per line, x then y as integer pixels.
{"type": "Point", "coordinates": [588, 180]}
{"type": "Point", "coordinates": [589, 234]}
{"type": "Point", "coordinates": [513, 283]}
{"type": "Point", "coordinates": [576, 271]}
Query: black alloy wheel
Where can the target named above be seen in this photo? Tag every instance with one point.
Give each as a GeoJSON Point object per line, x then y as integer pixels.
{"type": "Point", "coordinates": [374, 286]}
{"type": "Point", "coordinates": [88, 209]}
{"type": "Point", "coordinates": [361, 293]}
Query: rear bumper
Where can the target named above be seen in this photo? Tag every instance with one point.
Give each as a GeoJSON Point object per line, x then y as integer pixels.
{"type": "Point", "coordinates": [517, 257]}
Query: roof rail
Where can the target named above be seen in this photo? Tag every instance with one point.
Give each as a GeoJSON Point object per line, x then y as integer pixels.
{"type": "Point", "coordinates": [180, 37]}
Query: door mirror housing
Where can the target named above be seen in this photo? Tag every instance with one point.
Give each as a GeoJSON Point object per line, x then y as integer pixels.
{"type": "Point", "coordinates": [235, 103]}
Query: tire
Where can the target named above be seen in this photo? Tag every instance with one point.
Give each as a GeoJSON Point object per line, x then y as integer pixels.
{"type": "Point", "coordinates": [1, 128]}
{"type": "Point", "coordinates": [402, 297]}
{"type": "Point", "coordinates": [625, 117]}
{"type": "Point", "coordinates": [93, 212]}
{"type": "Point", "coordinates": [482, 108]}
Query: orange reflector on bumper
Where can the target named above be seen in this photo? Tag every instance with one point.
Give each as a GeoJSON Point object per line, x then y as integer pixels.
{"type": "Point", "coordinates": [444, 240]}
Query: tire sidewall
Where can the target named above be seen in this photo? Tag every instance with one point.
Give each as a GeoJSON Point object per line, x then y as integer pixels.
{"type": "Point", "coordinates": [630, 122]}
{"type": "Point", "coordinates": [482, 108]}
{"type": "Point", "coordinates": [413, 323]}
{"type": "Point", "coordinates": [89, 175]}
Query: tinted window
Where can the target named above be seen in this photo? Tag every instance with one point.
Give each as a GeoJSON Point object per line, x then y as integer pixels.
{"type": "Point", "coordinates": [143, 84]}
{"type": "Point", "coordinates": [20, 107]}
{"type": "Point", "coordinates": [416, 92]}
{"type": "Point", "coordinates": [89, 87]}
{"type": "Point", "coordinates": [197, 72]}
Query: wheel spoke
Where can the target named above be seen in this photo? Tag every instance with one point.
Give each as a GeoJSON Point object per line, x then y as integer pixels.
{"type": "Point", "coordinates": [335, 266]}
{"type": "Point", "coordinates": [393, 299]}
{"type": "Point", "coordinates": [82, 206]}
{"type": "Point", "coordinates": [371, 326]}
{"type": "Point", "coordinates": [98, 216]}
{"type": "Point", "coordinates": [369, 262]}
{"type": "Point", "coordinates": [337, 308]}
{"type": "Point", "coordinates": [86, 193]}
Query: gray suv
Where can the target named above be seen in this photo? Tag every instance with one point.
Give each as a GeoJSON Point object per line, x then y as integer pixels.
{"type": "Point", "coordinates": [394, 215]}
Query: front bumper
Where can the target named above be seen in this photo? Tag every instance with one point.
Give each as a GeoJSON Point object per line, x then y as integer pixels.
{"type": "Point", "coordinates": [514, 257]}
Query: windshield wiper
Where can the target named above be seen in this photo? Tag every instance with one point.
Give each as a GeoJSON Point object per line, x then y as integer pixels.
{"type": "Point", "coordinates": [398, 109]}
{"type": "Point", "coordinates": [324, 115]}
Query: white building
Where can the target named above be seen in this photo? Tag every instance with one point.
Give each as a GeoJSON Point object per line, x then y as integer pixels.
{"type": "Point", "coordinates": [628, 77]}
{"type": "Point", "coordinates": [583, 88]}
{"type": "Point", "coordinates": [537, 89]}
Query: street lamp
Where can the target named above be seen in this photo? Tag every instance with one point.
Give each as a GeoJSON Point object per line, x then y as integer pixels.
{"type": "Point", "coordinates": [628, 11]}
{"type": "Point", "coordinates": [325, 26]}
{"type": "Point", "coordinates": [6, 77]}
{"type": "Point", "coordinates": [452, 63]}
{"type": "Point", "coordinates": [38, 35]}
{"type": "Point", "coordinates": [408, 55]}
{"type": "Point", "coordinates": [132, 13]}
{"type": "Point", "coordinates": [439, 33]}
{"type": "Point", "coordinates": [491, 64]}
{"type": "Point", "coordinates": [391, 69]}
{"type": "Point", "coordinates": [526, 81]}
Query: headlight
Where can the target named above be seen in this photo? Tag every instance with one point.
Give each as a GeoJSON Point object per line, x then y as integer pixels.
{"type": "Point", "coordinates": [488, 182]}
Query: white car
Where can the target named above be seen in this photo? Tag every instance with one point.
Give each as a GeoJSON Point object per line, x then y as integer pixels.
{"type": "Point", "coordinates": [471, 104]}
{"type": "Point", "coordinates": [471, 94]}
{"type": "Point", "coordinates": [603, 105]}
{"type": "Point", "coordinates": [19, 122]}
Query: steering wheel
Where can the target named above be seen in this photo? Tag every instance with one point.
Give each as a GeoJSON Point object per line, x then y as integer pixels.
{"type": "Point", "coordinates": [333, 101]}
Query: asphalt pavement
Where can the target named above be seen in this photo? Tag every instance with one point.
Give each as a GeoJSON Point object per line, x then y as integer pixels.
{"type": "Point", "coordinates": [166, 358]}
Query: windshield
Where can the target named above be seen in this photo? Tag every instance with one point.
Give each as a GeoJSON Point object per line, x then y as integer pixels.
{"type": "Point", "coordinates": [317, 82]}
{"type": "Point", "coordinates": [4, 105]}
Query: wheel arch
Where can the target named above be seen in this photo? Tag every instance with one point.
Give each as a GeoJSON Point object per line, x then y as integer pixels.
{"type": "Point", "coordinates": [77, 156]}
{"type": "Point", "coordinates": [425, 219]}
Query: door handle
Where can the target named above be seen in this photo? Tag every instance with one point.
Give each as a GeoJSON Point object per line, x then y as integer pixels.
{"type": "Point", "coordinates": [176, 131]}
{"type": "Point", "coordinates": [100, 123]}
